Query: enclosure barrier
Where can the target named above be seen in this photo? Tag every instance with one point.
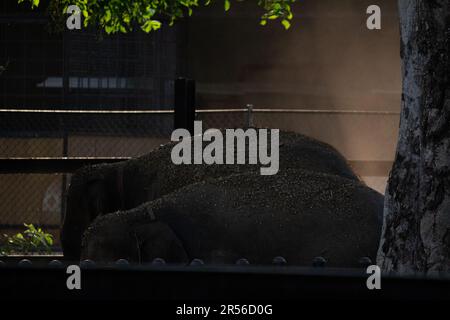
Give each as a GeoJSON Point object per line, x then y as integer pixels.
{"type": "Point", "coordinates": [182, 119]}
{"type": "Point", "coordinates": [160, 282]}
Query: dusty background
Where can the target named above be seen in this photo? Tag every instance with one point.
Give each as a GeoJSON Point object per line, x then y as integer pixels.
{"type": "Point", "coordinates": [327, 60]}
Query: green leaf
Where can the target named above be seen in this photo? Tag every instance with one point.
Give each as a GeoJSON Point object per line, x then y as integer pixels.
{"type": "Point", "coordinates": [107, 15]}
{"type": "Point", "coordinates": [109, 29]}
{"type": "Point", "coordinates": [49, 239]}
{"type": "Point", "coordinates": [151, 25]}
{"type": "Point", "coordinates": [286, 24]}
{"type": "Point", "coordinates": [227, 5]}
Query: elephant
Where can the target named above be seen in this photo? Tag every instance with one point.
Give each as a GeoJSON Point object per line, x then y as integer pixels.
{"type": "Point", "coordinates": [297, 214]}
{"type": "Point", "coordinates": [106, 188]}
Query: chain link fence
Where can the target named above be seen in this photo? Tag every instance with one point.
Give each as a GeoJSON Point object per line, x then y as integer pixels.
{"type": "Point", "coordinates": [38, 198]}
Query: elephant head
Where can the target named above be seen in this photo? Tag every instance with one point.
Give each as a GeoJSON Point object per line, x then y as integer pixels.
{"type": "Point", "coordinates": [91, 194]}
{"type": "Point", "coordinates": [136, 242]}
{"type": "Point", "coordinates": [101, 189]}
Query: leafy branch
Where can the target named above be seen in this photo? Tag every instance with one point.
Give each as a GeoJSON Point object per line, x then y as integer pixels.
{"type": "Point", "coordinates": [120, 16]}
{"type": "Point", "coordinates": [32, 240]}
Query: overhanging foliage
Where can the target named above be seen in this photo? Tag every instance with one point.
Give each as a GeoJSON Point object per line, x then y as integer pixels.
{"type": "Point", "coordinates": [121, 15]}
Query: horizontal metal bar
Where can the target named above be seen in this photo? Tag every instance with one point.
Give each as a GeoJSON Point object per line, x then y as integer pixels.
{"type": "Point", "coordinates": [289, 270]}
{"type": "Point", "coordinates": [304, 111]}
{"type": "Point", "coordinates": [73, 111]}
{"type": "Point", "coordinates": [21, 226]}
{"type": "Point", "coordinates": [325, 111]}
{"type": "Point", "coordinates": [51, 165]}
{"type": "Point", "coordinates": [231, 110]}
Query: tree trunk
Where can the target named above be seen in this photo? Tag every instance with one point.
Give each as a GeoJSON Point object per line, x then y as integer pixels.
{"type": "Point", "coordinates": [416, 230]}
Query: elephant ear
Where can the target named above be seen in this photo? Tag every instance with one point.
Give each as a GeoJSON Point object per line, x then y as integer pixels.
{"type": "Point", "coordinates": [157, 240]}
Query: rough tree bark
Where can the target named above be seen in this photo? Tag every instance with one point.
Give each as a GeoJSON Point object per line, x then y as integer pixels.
{"type": "Point", "coordinates": [416, 230]}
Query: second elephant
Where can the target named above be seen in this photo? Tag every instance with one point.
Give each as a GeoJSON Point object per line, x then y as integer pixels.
{"type": "Point", "coordinates": [296, 214]}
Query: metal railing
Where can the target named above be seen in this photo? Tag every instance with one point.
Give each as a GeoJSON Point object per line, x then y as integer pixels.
{"type": "Point", "coordinates": [211, 283]}
{"type": "Point", "coordinates": [67, 164]}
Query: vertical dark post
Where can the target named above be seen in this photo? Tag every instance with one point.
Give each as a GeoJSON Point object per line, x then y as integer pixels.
{"type": "Point", "coordinates": [249, 116]}
{"type": "Point", "coordinates": [64, 177]}
{"type": "Point", "coordinates": [184, 104]}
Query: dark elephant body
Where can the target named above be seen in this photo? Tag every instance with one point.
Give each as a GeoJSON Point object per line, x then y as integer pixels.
{"type": "Point", "coordinates": [296, 214]}
{"type": "Point", "coordinates": [106, 188]}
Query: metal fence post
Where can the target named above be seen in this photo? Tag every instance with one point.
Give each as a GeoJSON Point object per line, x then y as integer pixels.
{"type": "Point", "coordinates": [249, 116]}
{"type": "Point", "coordinates": [184, 116]}
{"type": "Point", "coordinates": [64, 177]}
